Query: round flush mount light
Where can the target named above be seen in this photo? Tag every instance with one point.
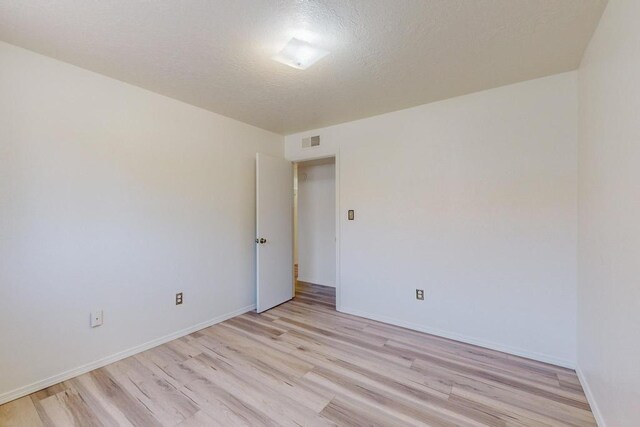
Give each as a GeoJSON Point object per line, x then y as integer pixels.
{"type": "Point", "coordinates": [300, 54]}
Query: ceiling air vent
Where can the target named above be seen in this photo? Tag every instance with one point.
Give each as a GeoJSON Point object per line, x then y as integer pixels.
{"type": "Point", "coordinates": [311, 141]}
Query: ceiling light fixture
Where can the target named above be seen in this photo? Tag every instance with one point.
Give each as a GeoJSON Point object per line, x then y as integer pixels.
{"type": "Point", "coordinates": [300, 54]}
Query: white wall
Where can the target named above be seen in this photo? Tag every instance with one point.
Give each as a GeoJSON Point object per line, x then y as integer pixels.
{"type": "Point", "coordinates": [317, 222]}
{"type": "Point", "coordinates": [116, 198]}
{"type": "Point", "coordinates": [472, 199]}
{"type": "Point", "coordinates": [609, 212]}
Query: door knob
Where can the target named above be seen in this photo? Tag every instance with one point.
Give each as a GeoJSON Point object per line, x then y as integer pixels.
{"type": "Point", "coordinates": [261, 240]}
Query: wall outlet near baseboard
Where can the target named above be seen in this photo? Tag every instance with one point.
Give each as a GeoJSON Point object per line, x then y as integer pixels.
{"type": "Point", "coordinates": [179, 298]}
{"type": "Point", "coordinates": [96, 318]}
{"type": "Point", "coordinates": [420, 294]}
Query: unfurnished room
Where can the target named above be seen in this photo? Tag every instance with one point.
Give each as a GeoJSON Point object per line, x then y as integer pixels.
{"type": "Point", "coordinates": [320, 213]}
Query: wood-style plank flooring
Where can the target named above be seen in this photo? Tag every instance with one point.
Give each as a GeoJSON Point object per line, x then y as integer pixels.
{"type": "Point", "coordinates": [303, 363]}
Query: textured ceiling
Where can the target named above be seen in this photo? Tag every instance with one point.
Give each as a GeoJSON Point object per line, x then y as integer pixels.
{"type": "Point", "coordinates": [385, 54]}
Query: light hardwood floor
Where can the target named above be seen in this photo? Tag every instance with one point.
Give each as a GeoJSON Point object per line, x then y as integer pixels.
{"type": "Point", "coordinates": [303, 363]}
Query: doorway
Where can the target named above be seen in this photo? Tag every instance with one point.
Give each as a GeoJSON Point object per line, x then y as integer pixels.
{"type": "Point", "coordinates": [314, 231]}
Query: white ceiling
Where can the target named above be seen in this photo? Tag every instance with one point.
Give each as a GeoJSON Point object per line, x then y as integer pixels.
{"type": "Point", "coordinates": [385, 54]}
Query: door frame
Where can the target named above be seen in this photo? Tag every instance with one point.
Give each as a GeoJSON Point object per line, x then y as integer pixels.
{"type": "Point", "coordinates": [335, 156]}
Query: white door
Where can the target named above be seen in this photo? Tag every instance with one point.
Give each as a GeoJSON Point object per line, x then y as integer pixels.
{"type": "Point", "coordinates": [274, 231]}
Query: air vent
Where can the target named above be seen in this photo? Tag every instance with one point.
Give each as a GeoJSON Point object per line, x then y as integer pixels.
{"type": "Point", "coordinates": [311, 141]}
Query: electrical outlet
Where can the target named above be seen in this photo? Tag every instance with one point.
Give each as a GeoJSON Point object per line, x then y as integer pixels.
{"type": "Point", "coordinates": [96, 318]}
{"type": "Point", "coordinates": [179, 298]}
{"type": "Point", "coordinates": [420, 294]}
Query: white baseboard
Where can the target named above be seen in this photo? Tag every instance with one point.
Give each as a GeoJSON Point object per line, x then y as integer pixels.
{"type": "Point", "coordinates": [315, 282]}
{"type": "Point", "coordinates": [590, 398]}
{"type": "Point", "coordinates": [463, 338]}
{"type": "Point", "coordinates": [71, 373]}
